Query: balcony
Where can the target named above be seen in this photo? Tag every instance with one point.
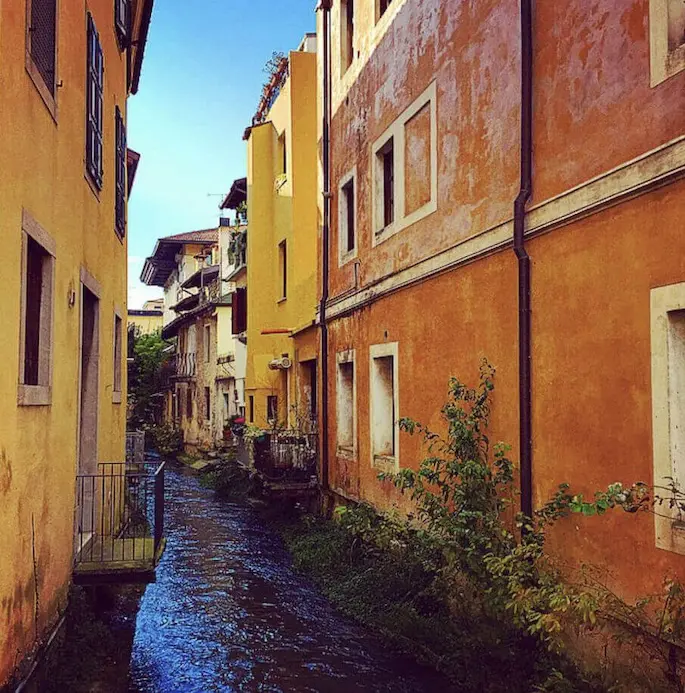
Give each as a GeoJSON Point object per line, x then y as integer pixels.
{"type": "Point", "coordinates": [119, 523]}
{"type": "Point", "coordinates": [287, 460]}
{"type": "Point", "coordinates": [184, 365]}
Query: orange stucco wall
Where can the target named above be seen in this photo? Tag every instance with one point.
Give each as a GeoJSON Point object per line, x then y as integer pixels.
{"type": "Point", "coordinates": [594, 110]}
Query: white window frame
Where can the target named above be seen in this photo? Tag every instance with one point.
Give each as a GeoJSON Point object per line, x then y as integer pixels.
{"type": "Point", "coordinates": [385, 463]}
{"type": "Point", "coordinates": [397, 132]}
{"type": "Point", "coordinates": [669, 529]}
{"type": "Point", "coordinates": [345, 255]}
{"type": "Point", "coordinates": [346, 357]}
{"type": "Point", "coordinates": [41, 394]}
{"type": "Point", "coordinates": [664, 63]}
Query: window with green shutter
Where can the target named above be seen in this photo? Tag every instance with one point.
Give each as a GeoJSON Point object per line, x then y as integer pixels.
{"type": "Point", "coordinates": [120, 158]}
{"type": "Point", "coordinates": [94, 82]}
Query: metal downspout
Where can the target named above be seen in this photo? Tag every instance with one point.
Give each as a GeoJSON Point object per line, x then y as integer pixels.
{"type": "Point", "coordinates": [525, 400]}
{"type": "Point", "coordinates": [325, 6]}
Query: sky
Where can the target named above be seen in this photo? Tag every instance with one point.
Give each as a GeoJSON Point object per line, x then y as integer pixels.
{"type": "Point", "coordinates": [200, 86]}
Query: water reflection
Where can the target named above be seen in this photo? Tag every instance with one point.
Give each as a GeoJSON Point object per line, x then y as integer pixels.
{"type": "Point", "coordinates": [228, 613]}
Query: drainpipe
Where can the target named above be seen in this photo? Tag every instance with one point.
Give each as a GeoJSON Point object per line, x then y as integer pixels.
{"type": "Point", "coordinates": [325, 6]}
{"type": "Point", "coordinates": [525, 405]}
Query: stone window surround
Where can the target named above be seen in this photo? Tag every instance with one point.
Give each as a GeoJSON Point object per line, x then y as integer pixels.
{"type": "Point", "coordinates": [669, 531]}
{"type": "Point", "coordinates": [37, 395]}
{"type": "Point", "coordinates": [385, 463]}
{"type": "Point", "coordinates": [664, 63]}
{"type": "Point", "coordinates": [344, 256]}
{"type": "Point", "coordinates": [397, 130]}
{"type": "Point", "coordinates": [341, 357]}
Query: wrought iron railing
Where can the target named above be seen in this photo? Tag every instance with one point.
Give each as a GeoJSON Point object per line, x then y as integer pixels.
{"type": "Point", "coordinates": [120, 513]}
{"type": "Point", "coordinates": [287, 454]}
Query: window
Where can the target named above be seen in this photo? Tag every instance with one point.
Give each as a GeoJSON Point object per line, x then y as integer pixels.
{"type": "Point", "coordinates": [250, 401]}
{"type": "Point", "coordinates": [94, 85]}
{"type": "Point", "coordinates": [283, 268]}
{"type": "Point", "coordinates": [283, 154]}
{"type": "Point", "coordinates": [36, 313]}
{"type": "Point", "coordinates": [384, 406]}
{"type": "Point", "coordinates": [227, 407]}
{"type": "Point", "coordinates": [272, 409]}
{"type": "Point", "coordinates": [667, 39]}
{"type": "Point", "coordinates": [381, 7]}
{"type": "Point", "coordinates": [239, 311]}
{"type": "Point", "coordinates": [208, 404]}
{"type": "Point", "coordinates": [42, 43]}
{"type": "Point", "coordinates": [346, 403]}
{"type": "Point", "coordinates": [189, 401]}
{"type": "Point", "coordinates": [118, 327]}
{"type": "Point", "coordinates": [346, 34]}
{"type": "Point", "coordinates": [121, 10]}
{"type": "Point", "coordinates": [386, 166]}
{"type": "Point", "coordinates": [310, 387]}
{"type": "Point", "coordinates": [668, 406]}
{"type": "Point", "coordinates": [347, 212]}
{"type": "Point", "coordinates": [405, 168]}
{"type": "Point", "coordinates": [120, 159]}
{"type": "Point", "coordinates": [208, 343]}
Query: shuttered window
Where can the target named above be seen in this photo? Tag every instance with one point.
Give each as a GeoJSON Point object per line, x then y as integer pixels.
{"type": "Point", "coordinates": [42, 40]}
{"type": "Point", "coordinates": [239, 312]}
{"type": "Point", "coordinates": [120, 158]}
{"type": "Point", "coordinates": [121, 9]}
{"type": "Point", "coordinates": [95, 80]}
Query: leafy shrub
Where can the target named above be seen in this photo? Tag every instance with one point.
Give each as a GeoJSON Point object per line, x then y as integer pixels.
{"type": "Point", "coordinates": [165, 439]}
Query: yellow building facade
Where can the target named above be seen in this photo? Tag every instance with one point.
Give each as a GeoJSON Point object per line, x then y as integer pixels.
{"type": "Point", "coordinates": [63, 190]}
{"type": "Point", "coordinates": [282, 342]}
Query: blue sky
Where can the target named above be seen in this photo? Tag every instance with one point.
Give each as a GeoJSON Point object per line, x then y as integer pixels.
{"type": "Point", "coordinates": [201, 82]}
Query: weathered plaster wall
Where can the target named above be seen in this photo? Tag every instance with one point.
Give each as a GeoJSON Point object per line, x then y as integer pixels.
{"type": "Point", "coordinates": [43, 172]}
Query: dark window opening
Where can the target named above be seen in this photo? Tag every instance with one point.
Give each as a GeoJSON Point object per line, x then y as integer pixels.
{"type": "Point", "coordinates": [348, 46]}
{"type": "Point", "coordinates": [208, 404]}
{"type": "Point", "coordinates": [272, 408]}
{"type": "Point", "coordinates": [117, 352]}
{"type": "Point", "coordinates": [36, 257]}
{"type": "Point", "coordinates": [348, 202]}
{"type": "Point", "coordinates": [43, 40]}
{"type": "Point", "coordinates": [121, 10]}
{"type": "Point", "coordinates": [120, 154]}
{"type": "Point", "coordinates": [283, 268]}
{"type": "Point", "coordinates": [250, 401]}
{"type": "Point", "coordinates": [382, 7]}
{"type": "Point", "coordinates": [239, 311]}
{"type": "Point", "coordinates": [189, 402]}
{"type": "Point", "coordinates": [94, 86]}
{"type": "Point", "coordinates": [386, 155]}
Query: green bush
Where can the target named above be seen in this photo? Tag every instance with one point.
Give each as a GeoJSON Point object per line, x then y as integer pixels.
{"type": "Point", "coordinates": [165, 439]}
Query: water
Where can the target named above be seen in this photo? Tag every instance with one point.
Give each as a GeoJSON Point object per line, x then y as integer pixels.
{"type": "Point", "coordinates": [228, 613]}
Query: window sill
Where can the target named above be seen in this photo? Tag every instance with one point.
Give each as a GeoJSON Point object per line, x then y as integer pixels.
{"type": "Point", "coordinates": [346, 452]}
{"type": "Point", "coordinates": [385, 463]}
{"type": "Point", "coordinates": [48, 99]}
{"type": "Point", "coordinates": [34, 395]}
{"type": "Point", "coordinates": [116, 397]}
{"type": "Point", "coordinates": [347, 256]}
{"type": "Point", "coordinates": [282, 300]}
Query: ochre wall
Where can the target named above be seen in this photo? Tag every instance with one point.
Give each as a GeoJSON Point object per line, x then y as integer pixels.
{"type": "Point", "coordinates": [290, 214]}
{"type": "Point", "coordinates": [43, 172]}
{"type": "Point", "coordinates": [146, 323]}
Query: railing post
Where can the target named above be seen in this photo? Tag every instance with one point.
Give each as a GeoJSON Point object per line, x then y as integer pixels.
{"type": "Point", "coordinates": [159, 505]}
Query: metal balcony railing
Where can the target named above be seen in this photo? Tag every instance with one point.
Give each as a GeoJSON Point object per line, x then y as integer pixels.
{"type": "Point", "coordinates": [119, 518]}
{"type": "Point", "coordinates": [287, 454]}
{"type": "Point", "coordinates": [185, 364]}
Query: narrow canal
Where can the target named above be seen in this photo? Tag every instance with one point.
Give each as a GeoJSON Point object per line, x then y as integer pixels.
{"type": "Point", "coordinates": [228, 613]}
